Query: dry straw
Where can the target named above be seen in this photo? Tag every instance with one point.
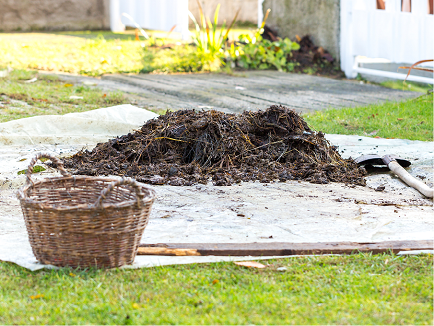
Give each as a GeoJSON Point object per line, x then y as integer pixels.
{"type": "Point", "coordinates": [82, 221]}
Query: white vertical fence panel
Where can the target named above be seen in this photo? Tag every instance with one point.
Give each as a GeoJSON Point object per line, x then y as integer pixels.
{"type": "Point", "coordinates": [160, 15]}
{"type": "Point", "coordinates": [260, 12]}
{"type": "Point", "coordinates": [115, 17]}
{"type": "Point", "coordinates": [346, 41]}
{"type": "Point", "coordinates": [393, 5]}
{"type": "Point", "coordinates": [389, 34]}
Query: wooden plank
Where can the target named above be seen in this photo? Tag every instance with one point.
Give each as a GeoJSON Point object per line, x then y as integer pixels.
{"type": "Point", "coordinates": [162, 251]}
{"type": "Point", "coordinates": [280, 248]}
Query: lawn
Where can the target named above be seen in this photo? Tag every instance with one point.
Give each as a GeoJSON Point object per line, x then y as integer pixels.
{"type": "Point", "coordinates": [411, 119]}
{"type": "Point", "coordinates": [71, 54]}
{"type": "Point", "coordinates": [49, 95]}
{"type": "Point", "coordinates": [100, 52]}
{"type": "Point", "coordinates": [358, 289]}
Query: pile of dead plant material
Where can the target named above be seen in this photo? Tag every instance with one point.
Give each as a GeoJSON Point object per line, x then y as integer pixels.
{"type": "Point", "coordinates": [187, 147]}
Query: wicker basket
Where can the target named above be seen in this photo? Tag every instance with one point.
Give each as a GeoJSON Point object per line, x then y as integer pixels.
{"type": "Point", "coordinates": [82, 221]}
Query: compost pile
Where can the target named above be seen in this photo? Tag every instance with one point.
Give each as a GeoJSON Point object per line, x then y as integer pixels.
{"type": "Point", "coordinates": [188, 147]}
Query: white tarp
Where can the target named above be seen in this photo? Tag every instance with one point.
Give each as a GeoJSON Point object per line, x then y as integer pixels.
{"type": "Point", "coordinates": [88, 127]}
{"type": "Point", "coordinates": [249, 212]}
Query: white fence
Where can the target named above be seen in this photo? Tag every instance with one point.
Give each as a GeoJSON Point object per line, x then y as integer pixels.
{"type": "Point", "coordinates": [160, 15]}
{"type": "Point", "coordinates": [390, 34]}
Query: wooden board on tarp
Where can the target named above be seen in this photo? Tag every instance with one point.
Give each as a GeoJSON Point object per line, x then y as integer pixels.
{"type": "Point", "coordinates": [280, 248]}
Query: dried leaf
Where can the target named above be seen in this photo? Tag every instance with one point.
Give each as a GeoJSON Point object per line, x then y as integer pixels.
{"type": "Point", "coordinates": [38, 296]}
{"type": "Point", "coordinates": [253, 264]}
{"type": "Point", "coordinates": [215, 281]}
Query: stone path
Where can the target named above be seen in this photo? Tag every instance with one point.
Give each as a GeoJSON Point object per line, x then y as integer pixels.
{"type": "Point", "coordinates": [250, 91]}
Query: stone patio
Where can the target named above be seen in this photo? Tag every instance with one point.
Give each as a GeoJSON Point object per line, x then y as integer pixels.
{"type": "Point", "coordinates": [251, 90]}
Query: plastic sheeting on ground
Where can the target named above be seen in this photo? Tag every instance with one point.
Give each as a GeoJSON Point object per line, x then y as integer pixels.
{"type": "Point", "coordinates": [89, 127]}
{"type": "Point", "coordinates": [249, 212]}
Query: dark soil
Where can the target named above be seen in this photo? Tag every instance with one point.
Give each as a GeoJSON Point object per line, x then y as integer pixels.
{"type": "Point", "coordinates": [314, 60]}
{"type": "Point", "coordinates": [188, 147]}
{"type": "Point", "coordinates": [309, 58]}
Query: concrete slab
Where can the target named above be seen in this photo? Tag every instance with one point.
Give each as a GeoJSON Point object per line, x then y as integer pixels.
{"type": "Point", "coordinates": [252, 90]}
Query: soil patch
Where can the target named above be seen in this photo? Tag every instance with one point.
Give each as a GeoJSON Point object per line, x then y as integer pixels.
{"type": "Point", "coordinates": [188, 147]}
{"type": "Point", "coordinates": [309, 58]}
{"type": "Point", "coordinates": [314, 59]}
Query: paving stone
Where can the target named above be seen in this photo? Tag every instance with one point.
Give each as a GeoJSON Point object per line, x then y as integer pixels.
{"type": "Point", "coordinates": [253, 90]}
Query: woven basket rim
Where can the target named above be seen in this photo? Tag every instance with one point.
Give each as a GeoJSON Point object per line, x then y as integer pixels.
{"type": "Point", "coordinates": [22, 194]}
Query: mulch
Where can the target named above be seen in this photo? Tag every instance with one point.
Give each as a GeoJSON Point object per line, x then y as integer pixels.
{"type": "Point", "coordinates": [188, 147]}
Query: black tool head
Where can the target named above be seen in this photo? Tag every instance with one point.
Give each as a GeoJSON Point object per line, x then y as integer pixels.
{"type": "Point", "coordinates": [375, 159]}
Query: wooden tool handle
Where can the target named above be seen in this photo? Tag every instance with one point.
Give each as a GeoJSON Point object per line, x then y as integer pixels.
{"type": "Point", "coordinates": [410, 180]}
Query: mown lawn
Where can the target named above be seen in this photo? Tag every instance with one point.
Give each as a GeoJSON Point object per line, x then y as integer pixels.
{"type": "Point", "coordinates": [411, 119]}
{"type": "Point", "coordinates": [358, 289]}
{"type": "Point", "coordinates": [100, 52]}
{"type": "Point", "coordinates": [49, 95]}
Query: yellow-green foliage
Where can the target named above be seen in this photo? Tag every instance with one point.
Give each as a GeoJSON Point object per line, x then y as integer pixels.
{"type": "Point", "coordinates": [70, 54]}
{"type": "Point", "coordinates": [49, 95]}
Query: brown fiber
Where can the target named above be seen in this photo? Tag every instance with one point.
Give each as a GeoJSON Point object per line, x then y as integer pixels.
{"type": "Point", "coordinates": [186, 147]}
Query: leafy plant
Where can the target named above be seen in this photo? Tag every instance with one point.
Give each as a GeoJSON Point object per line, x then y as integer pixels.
{"type": "Point", "coordinates": [258, 53]}
{"type": "Point", "coordinates": [255, 52]}
{"type": "Point", "coordinates": [209, 41]}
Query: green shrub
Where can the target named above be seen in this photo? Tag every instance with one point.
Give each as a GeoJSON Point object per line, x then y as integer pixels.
{"type": "Point", "coordinates": [258, 53]}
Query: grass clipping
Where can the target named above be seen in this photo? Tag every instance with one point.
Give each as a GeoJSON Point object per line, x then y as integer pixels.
{"type": "Point", "coordinates": [188, 147]}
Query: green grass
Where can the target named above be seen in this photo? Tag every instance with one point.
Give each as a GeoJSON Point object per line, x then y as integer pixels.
{"type": "Point", "coordinates": [359, 289]}
{"type": "Point", "coordinates": [100, 52]}
{"type": "Point", "coordinates": [407, 86]}
{"type": "Point", "coordinates": [70, 54]}
{"type": "Point", "coordinates": [49, 95]}
{"type": "Point", "coordinates": [411, 119]}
